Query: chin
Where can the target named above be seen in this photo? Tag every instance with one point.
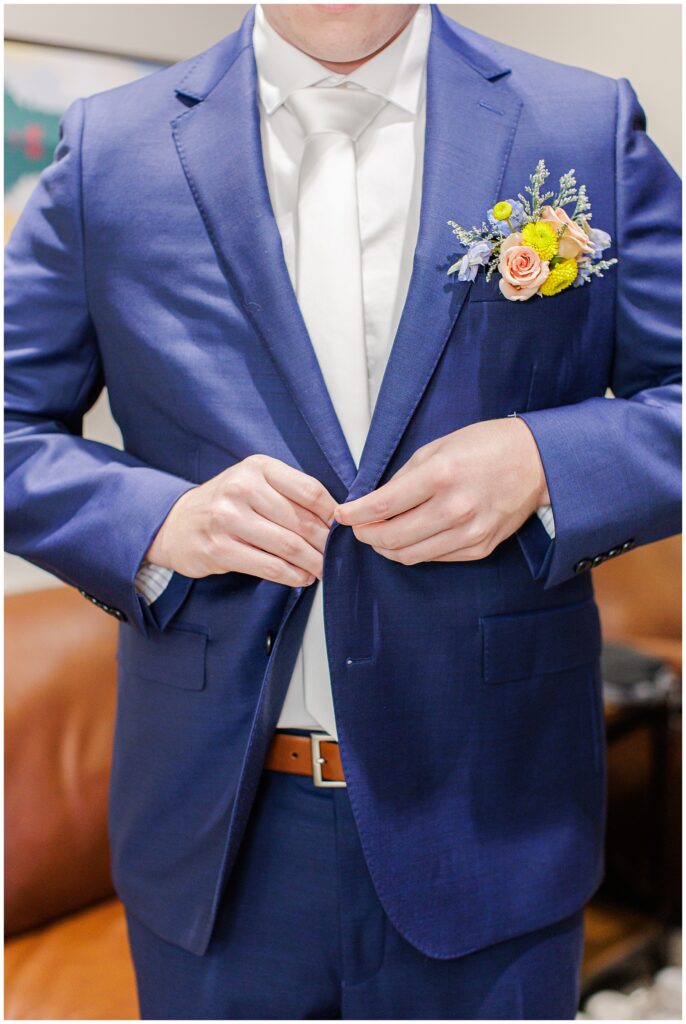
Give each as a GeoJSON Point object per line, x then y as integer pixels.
{"type": "Point", "coordinates": [336, 8]}
{"type": "Point", "coordinates": [339, 33]}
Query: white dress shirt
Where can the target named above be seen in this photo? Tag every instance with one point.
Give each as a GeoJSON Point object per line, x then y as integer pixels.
{"type": "Point", "coordinates": [389, 174]}
{"type": "Point", "coordinates": [389, 171]}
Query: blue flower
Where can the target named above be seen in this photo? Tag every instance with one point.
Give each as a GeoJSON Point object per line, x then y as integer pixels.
{"type": "Point", "coordinates": [476, 256]}
{"type": "Point", "coordinates": [516, 218]}
{"type": "Point", "coordinates": [600, 241]}
{"type": "Point", "coordinates": [584, 275]}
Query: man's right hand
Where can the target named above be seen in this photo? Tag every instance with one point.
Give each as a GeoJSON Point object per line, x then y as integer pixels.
{"type": "Point", "coordinates": [259, 517]}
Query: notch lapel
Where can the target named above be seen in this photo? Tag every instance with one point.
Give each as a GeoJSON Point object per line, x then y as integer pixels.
{"type": "Point", "coordinates": [471, 118]}
{"type": "Point", "coordinates": [219, 145]}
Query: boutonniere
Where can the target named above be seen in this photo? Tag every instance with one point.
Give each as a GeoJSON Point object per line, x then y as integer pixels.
{"type": "Point", "coordinates": [535, 245]}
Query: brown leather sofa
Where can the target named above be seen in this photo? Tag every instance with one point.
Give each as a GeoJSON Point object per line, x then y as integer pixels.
{"type": "Point", "coordinates": [66, 951]}
{"type": "Point", "coordinates": [66, 954]}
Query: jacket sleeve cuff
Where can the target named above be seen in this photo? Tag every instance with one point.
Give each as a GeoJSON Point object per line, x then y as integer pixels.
{"type": "Point", "coordinates": [116, 591]}
{"type": "Point", "coordinates": [598, 507]}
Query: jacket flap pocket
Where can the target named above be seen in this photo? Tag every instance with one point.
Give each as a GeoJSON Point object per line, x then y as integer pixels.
{"type": "Point", "coordinates": [175, 657]}
{"type": "Point", "coordinates": [530, 644]}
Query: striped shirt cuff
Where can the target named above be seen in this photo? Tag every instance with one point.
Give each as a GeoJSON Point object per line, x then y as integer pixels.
{"type": "Point", "coordinates": [152, 580]}
{"type": "Point", "coordinates": [545, 514]}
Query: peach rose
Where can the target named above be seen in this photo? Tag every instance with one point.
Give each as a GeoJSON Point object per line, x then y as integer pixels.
{"type": "Point", "coordinates": [574, 240]}
{"type": "Point", "coordinates": [514, 238]}
{"type": "Point", "coordinates": [521, 268]}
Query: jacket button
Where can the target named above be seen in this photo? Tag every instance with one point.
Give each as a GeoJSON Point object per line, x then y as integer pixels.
{"type": "Point", "coordinates": [269, 642]}
{"type": "Point", "coordinates": [628, 544]}
{"type": "Point", "coordinates": [583, 566]}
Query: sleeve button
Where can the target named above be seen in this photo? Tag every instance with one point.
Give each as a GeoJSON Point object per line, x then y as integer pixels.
{"type": "Point", "coordinates": [583, 566]}
{"type": "Point", "coordinates": [599, 559]}
{"type": "Point", "coordinates": [628, 544]}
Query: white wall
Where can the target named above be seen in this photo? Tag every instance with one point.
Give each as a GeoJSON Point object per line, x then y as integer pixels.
{"type": "Point", "coordinates": [641, 42]}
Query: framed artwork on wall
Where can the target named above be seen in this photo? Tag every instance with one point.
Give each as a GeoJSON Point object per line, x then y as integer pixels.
{"type": "Point", "coordinates": [40, 82]}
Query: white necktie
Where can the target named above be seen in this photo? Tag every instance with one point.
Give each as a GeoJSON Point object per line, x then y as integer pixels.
{"type": "Point", "coordinates": [328, 251]}
{"type": "Point", "coordinates": [329, 291]}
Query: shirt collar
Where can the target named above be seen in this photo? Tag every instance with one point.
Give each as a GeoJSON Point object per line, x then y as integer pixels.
{"type": "Point", "coordinates": [396, 73]}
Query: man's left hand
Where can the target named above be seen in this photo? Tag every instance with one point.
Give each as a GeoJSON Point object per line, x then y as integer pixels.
{"type": "Point", "coordinates": [456, 498]}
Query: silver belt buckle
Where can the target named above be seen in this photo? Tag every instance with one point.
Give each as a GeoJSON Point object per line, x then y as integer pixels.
{"type": "Point", "coordinates": [316, 739]}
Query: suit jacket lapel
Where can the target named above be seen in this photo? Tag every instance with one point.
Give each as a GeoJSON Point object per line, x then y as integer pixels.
{"type": "Point", "coordinates": [218, 142]}
{"type": "Point", "coordinates": [470, 123]}
{"type": "Point", "coordinates": [471, 117]}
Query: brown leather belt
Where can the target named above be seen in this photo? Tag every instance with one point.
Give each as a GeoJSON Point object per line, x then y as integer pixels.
{"type": "Point", "coordinates": [316, 755]}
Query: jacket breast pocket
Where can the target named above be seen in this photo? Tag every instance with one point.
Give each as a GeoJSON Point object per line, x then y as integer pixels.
{"type": "Point", "coordinates": [175, 657]}
{"type": "Point", "coordinates": [531, 644]}
{"type": "Point", "coordinates": [482, 290]}
{"type": "Point", "coordinates": [537, 353]}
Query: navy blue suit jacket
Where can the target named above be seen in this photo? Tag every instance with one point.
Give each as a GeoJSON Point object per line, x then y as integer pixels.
{"type": "Point", "coordinates": [467, 695]}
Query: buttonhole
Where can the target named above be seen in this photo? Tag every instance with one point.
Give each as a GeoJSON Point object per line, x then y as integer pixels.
{"type": "Point", "coordinates": [361, 660]}
{"type": "Point", "coordinates": [494, 110]}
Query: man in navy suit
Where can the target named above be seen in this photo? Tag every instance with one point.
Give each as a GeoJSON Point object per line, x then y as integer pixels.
{"type": "Point", "coordinates": [359, 759]}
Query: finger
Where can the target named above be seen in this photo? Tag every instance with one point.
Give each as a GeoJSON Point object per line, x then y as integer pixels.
{"type": "Point", "coordinates": [299, 487]}
{"type": "Point", "coordinates": [275, 540]}
{"type": "Point", "coordinates": [446, 545]}
{"type": "Point", "coordinates": [251, 560]}
{"type": "Point", "coordinates": [271, 505]}
{"type": "Point", "coordinates": [398, 495]}
{"type": "Point", "coordinates": [408, 528]}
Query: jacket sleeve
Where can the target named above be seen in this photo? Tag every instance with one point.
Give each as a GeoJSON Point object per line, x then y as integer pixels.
{"type": "Point", "coordinates": [613, 464]}
{"type": "Point", "coordinates": [84, 511]}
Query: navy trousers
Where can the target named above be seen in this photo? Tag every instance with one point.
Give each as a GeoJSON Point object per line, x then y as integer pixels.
{"type": "Point", "coordinates": [301, 934]}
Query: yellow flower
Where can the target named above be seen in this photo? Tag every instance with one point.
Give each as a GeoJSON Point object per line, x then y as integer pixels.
{"type": "Point", "coordinates": [542, 237]}
{"type": "Point", "coordinates": [502, 210]}
{"type": "Point", "coordinates": [560, 277]}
